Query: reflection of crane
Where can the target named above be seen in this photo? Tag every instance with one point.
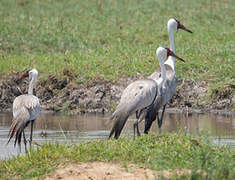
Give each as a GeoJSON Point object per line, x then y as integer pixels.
{"type": "Point", "coordinates": [169, 85]}
{"type": "Point", "coordinates": [26, 109]}
{"type": "Point", "coordinates": [139, 95]}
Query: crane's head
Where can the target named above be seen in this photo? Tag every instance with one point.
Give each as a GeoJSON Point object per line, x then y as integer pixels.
{"type": "Point", "coordinates": [31, 73]}
{"type": "Point", "coordinates": [163, 53]}
{"type": "Point", "coordinates": [175, 25]}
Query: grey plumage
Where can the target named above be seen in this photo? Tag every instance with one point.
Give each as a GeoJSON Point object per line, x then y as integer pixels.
{"type": "Point", "coordinates": [137, 96]}
{"type": "Point", "coordinates": [169, 85]}
{"type": "Point", "coordinates": [140, 96]}
{"type": "Point", "coordinates": [26, 108]}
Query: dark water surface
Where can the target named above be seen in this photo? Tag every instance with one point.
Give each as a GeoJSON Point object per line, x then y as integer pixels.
{"type": "Point", "coordinates": [67, 129]}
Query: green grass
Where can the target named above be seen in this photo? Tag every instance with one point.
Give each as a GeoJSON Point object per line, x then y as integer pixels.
{"type": "Point", "coordinates": [158, 152]}
{"type": "Point", "coordinates": [109, 39]}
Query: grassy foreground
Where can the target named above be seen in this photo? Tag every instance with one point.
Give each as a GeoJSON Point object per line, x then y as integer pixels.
{"type": "Point", "coordinates": [109, 39]}
{"type": "Point", "coordinates": [158, 152]}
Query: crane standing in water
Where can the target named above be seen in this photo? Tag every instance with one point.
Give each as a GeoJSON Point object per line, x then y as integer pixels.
{"type": "Point", "coordinates": [26, 108]}
{"type": "Point", "coordinates": [138, 96]}
{"type": "Point", "coordinates": [168, 88]}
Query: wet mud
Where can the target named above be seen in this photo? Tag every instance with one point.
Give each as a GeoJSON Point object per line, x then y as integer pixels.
{"type": "Point", "coordinates": [99, 97]}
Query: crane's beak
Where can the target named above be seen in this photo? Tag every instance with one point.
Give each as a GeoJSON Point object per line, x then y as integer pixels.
{"type": "Point", "coordinates": [181, 26]}
{"type": "Point", "coordinates": [26, 74]}
{"type": "Point", "coordinates": [170, 53]}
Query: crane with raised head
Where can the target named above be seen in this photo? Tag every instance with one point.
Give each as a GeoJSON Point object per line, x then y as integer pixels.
{"type": "Point", "coordinates": [169, 85]}
{"type": "Point", "coordinates": [26, 108]}
{"type": "Point", "coordinates": [139, 95]}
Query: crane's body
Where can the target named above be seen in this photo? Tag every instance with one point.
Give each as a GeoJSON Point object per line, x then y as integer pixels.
{"type": "Point", "coordinates": [26, 104]}
{"type": "Point", "coordinates": [139, 96]}
{"type": "Point", "coordinates": [169, 85]}
{"type": "Point", "coordinates": [26, 108]}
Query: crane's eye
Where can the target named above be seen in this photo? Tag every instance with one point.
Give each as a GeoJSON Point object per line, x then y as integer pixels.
{"type": "Point", "coordinates": [176, 20]}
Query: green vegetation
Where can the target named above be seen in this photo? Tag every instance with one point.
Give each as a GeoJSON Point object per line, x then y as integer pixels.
{"type": "Point", "coordinates": [109, 39]}
{"type": "Point", "coordinates": [158, 152]}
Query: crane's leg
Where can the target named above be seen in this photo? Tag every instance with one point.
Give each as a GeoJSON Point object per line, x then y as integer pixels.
{"type": "Point", "coordinates": [136, 115]}
{"type": "Point", "coordinates": [157, 122]}
{"type": "Point", "coordinates": [136, 124]}
{"type": "Point", "coordinates": [139, 121]}
{"type": "Point", "coordinates": [161, 119]}
{"type": "Point", "coordinates": [136, 127]}
{"type": "Point", "coordinates": [31, 134]}
{"type": "Point", "coordinates": [25, 142]}
{"type": "Point", "coordinates": [19, 140]}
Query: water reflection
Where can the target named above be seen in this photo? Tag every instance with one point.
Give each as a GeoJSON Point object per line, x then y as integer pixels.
{"type": "Point", "coordinates": [67, 129]}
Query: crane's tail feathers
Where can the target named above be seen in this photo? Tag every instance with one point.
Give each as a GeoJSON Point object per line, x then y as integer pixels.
{"type": "Point", "coordinates": [112, 130]}
{"type": "Point", "coordinates": [19, 134]}
{"type": "Point", "coordinates": [147, 126]}
{"type": "Point", "coordinates": [12, 130]}
{"type": "Point", "coordinates": [119, 123]}
{"type": "Point", "coordinates": [16, 129]}
{"type": "Point", "coordinates": [149, 118]}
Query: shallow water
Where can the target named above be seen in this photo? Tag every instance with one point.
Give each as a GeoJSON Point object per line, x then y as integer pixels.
{"type": "Point", "coordinates": [67, 129]}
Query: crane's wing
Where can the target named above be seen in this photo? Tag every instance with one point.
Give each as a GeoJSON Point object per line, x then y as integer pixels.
{"type": "Point", "coordinates": [28, 103]}
{"type": "Point", "coordinates": [137, 96]}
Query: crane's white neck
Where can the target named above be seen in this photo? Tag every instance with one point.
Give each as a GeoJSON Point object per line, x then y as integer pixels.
{"type": "Point", "coordinates": [163, 72]}
{"type": "Point", "coordinates": [30, 90]}
{"type": "Point", "coordinates": [171, 60]}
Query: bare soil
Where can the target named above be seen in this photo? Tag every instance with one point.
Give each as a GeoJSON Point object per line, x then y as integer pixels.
{"type": "Point", "coordinates": [99, 97]}
{"type": "Point", "coordinates": [109, 171]}
{"type": "Point", "coordinates": [100, 170]}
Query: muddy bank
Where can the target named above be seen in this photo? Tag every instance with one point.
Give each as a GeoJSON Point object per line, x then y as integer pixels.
{"type": "Point", "coordinates": [64, 94]}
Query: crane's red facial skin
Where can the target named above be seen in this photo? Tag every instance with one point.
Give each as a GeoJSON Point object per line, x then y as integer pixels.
{"type": "Point", "coordinates": [170, 53]}
{"type": "Point", "coordinates": [181, 26]}
{"type": "Point", "coordinates": [26, 74]}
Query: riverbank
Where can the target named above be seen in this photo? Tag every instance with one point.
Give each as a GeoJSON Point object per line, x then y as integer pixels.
{"type": "Point", "coordinates": [65, 95]}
